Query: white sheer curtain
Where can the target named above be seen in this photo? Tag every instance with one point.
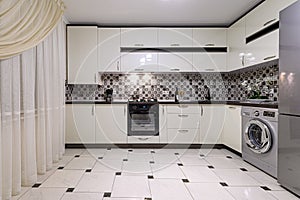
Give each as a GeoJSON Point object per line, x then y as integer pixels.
{"type": "Point", "coordinates": [32, 104]}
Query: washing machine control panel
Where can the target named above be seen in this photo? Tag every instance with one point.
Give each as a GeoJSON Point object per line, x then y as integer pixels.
{"type": "Point", "coordinates": [269, 114]}
{"type": "Point", "coordinates": [256, 113]}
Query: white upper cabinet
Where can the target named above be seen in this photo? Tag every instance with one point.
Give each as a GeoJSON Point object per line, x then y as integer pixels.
{"type": "Point", "coordinates": [139, 62]}
{"type": "Point", "coordinates": [209, 37]}
{"type": "Point", "coordinates": [263, 49]}
{"type": "Point", "coordinates": [109, 50]}
{"type": "Point", "coordinates": [139, 37]}
{"type": "Point", "coordinates": [209, 62]}
{"type": "Point", "coordinates": [236, 45]}
{"type": "Point", "coordinates": [175, 37]}
{"type": "Point", "coordinates": [82, 54]}
{"type": "Point", "coordinates": [175, 62]}
{"type": "Point", "coordinates": [265, 14]}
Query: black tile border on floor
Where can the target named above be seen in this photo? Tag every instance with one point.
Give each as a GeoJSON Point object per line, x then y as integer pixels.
{"type": "Point", "coordinates": [88, 170]}
{"type": "Point", "coordinates": [244, 169]}
{"type": "Point", "coordinates": [60, 168]}
{"type": "Point", "coordinates": [36, 185]}
{"type": "Point", "coordinates": [185, 180]}
{"type": "Point", "coordinates": [224, 184]}
{"type": "Point", "coordinates": [118, 173]}
{"type": "Point", "coordinates": [107, 194]}
{"type": "Point", "coordinates": [210, 167]}
{"type": "Point", "coordinates": [180, 164]}
{"type": "Point", "coordinates": [70, 189]}
{"type": "Point", "coordinates": [265, 188]}
{"type": "Point", "coordinates": [76, 156]}
{"type": "Point", "coordinates": [150, 177]}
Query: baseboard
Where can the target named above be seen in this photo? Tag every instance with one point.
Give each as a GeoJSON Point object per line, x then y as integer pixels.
{"type": "Point", "coordinates": [232, 150]}
{"type": "Point", "coordinates": [142, 146]}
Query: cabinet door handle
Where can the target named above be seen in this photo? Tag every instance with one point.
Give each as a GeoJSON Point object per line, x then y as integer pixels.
{"type": "Point", "coordinates": [183, 115]}
{"type": "Point", "coordinates": [210, 70]}
{"type": "Point", "coordinates": [138, 69]}
{"type": "Point", "coordinates": [269, 22]}
{"type": "Point", "coordinates": [118, 65]}
{"type": "Point", "coordinates": [243, 61]}
{"type": "Point", "coordinates": [183, 106]}
{"type": "Point", "coordinates": [163, 110]}
{"type": "Point", "coordinates": [93, 107]}
{"type": "Point", "coordinates": [175, 45]}
{"type": "Point", "coordinates": [95, 78]}
{"type": "Point", "coordinates": [138, 45]}
{"type": "Point", "coordinates": [269, 57]}
{"type": "Point", "coordinates": [175, 69]}
{"type": "Point", "coordinates": [201, 110]}
{"type": "Point", "coordinates": [231, 107]}
{"type": "Point", "coordinates": [183, 131]}
{"type": "Point", "coordinates": [209, 45]}
{"type": "Point", "coordinates": [143, 139]}
{"type": "Point", "coordinates": [124, 110]}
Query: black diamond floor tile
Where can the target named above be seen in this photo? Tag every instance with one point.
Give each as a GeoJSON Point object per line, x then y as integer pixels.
{"type": "Point", "coordinates": [223, 184]}
{"type": "Point", "coordinates": [107, 194]}
{"type": "Point", "coordinates": [265, 188]}
{"type": "Point", "coordinates": [36, 185]}
{"type": "Point", "coordinates": [70, 189]}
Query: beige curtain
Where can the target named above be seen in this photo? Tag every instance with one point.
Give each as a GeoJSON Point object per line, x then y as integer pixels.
{"type": "Point", "coordinates": [25, 23]}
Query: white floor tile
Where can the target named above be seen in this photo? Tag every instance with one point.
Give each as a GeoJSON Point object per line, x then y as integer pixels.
{"type": "Point", "coordinates": [44, 194]}
{"type": "Point", "coordinates": [94, 152]}
{"type": "Point", "coordinates": [208, 191]}
{"type": "Point", "coordinates": [165, 158]}
{"type": "Point", "coordinates": [82, 196]}
{"type": "Point", "coordinates": [108, 166]}
{"type": "Point", "coordinates": [111, 198]}
{"type": "Point", "coordinates": [249, 193]}
{"type": "Point", "coordinates": [73, 152]}
{"type": "Point", "coordinates": [212, 152]}
{"type": "Point", "coordinates": [163, 189]}
{"type": "Point", "coordinates": [116, 155]}
{"type": "Point", "coordinates": [222, 163]}
{"type": "Point", "coordinates": [136, 168]}
{"type": "Point", "coordinates": [167, 171]}
{"type": "Point", "coordinates": [236, 177]}
{"type": "Point", "coordinates": [140, 157]}
{"type": "Point", "coordinates": [96, 182]}
{"type": "Point", "coordinates": [265, 180]}
{"type": "Point", "coordinates": [131, 186]}
{"type": "Point", "coordinates": [285, 195]}
{"type": "Point", "coordinates": [83, 162]}
{"type": "Point", "coordinates": [192, 160]}
{"type": "Point", "coordinates": [200, 174]}
{"type": "Point", "coordinates": [65, 160]}
{"type": "Point", "coordinates": [64, 178]}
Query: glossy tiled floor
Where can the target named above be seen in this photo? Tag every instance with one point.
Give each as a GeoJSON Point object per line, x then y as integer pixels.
{"type": "Point", "coordinates": [158, 174]}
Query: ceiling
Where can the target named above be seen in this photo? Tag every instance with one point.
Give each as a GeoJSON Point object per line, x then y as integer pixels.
{"type": "Point", "coordinates": [156, 12]}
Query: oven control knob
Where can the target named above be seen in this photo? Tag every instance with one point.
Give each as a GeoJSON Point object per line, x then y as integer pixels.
{"type": "Point", "coordinates": [256, 113]}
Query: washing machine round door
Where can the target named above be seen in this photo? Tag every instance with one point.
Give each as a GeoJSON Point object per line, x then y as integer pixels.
{"type": "Point", "coordinates": [258, 136]}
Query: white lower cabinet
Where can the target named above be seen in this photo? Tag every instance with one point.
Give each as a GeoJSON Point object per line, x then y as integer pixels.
{"type": "Point", "coordinates": [183, 123]}
{"type": "Point", "coordinates": [183, 136]}
{"type": "Point", "coordinates": [111, 123]}
{"type": "Point", "coordinates": [211, 124]}
{"type": "Point", "coordinates": [163, 128]}
{"type": "Point", "coordinates": [80, 124]}
{"type": "Point", "coordinates": [232, 131]}
{"type": "Point", "coordinates": [143, 139]}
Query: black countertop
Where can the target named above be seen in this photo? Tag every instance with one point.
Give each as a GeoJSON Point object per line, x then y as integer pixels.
{"type": "Point", "coordinates": [237, 103]}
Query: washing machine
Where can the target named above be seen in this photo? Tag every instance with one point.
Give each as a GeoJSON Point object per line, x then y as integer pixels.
{"type": "Point", "coordinates": [260, 138]}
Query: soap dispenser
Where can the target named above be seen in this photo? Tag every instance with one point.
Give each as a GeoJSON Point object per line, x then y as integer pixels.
{"type": "Point", "coordinates": [176, 95]}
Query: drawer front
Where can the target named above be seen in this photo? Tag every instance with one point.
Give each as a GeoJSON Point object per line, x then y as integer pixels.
{"type": "Point", "coordinates": [183, 108]}
{"type": "Point", "coordinates": [143, 139]}
{"type": "Point", "coordinates": [183, 136]}
{"type": "Point", "coordinates": [183, 121]}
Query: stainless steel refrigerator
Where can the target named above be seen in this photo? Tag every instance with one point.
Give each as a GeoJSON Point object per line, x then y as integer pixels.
{"type": "Point", "coordinates": [289, 99]}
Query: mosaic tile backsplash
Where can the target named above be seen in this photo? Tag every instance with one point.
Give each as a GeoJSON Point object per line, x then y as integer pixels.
{"type": "Point", "coordinates": [233, 85]}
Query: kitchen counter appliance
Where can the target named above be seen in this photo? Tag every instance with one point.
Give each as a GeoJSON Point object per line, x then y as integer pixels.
{"type": "Point", "coordinates": [289, 99]}
{"type": "Point", "coordinates": [143, 118]}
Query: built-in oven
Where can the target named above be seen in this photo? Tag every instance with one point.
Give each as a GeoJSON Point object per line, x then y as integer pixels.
{"type": "Point", "coordinates": [143, 119]}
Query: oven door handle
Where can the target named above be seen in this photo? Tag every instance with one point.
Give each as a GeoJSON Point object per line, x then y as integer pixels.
{"type": "Point", "coordinates": [183, 115]}
{"type": "Point", "coordinates": [143, 139]}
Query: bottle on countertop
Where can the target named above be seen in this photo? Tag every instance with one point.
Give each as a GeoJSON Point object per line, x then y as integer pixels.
{"type": "Point", "coordinates": [176, 95]}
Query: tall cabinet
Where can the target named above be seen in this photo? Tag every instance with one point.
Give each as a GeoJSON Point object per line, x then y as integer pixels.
{"type": "Point", "coordinates": [82, 54]}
